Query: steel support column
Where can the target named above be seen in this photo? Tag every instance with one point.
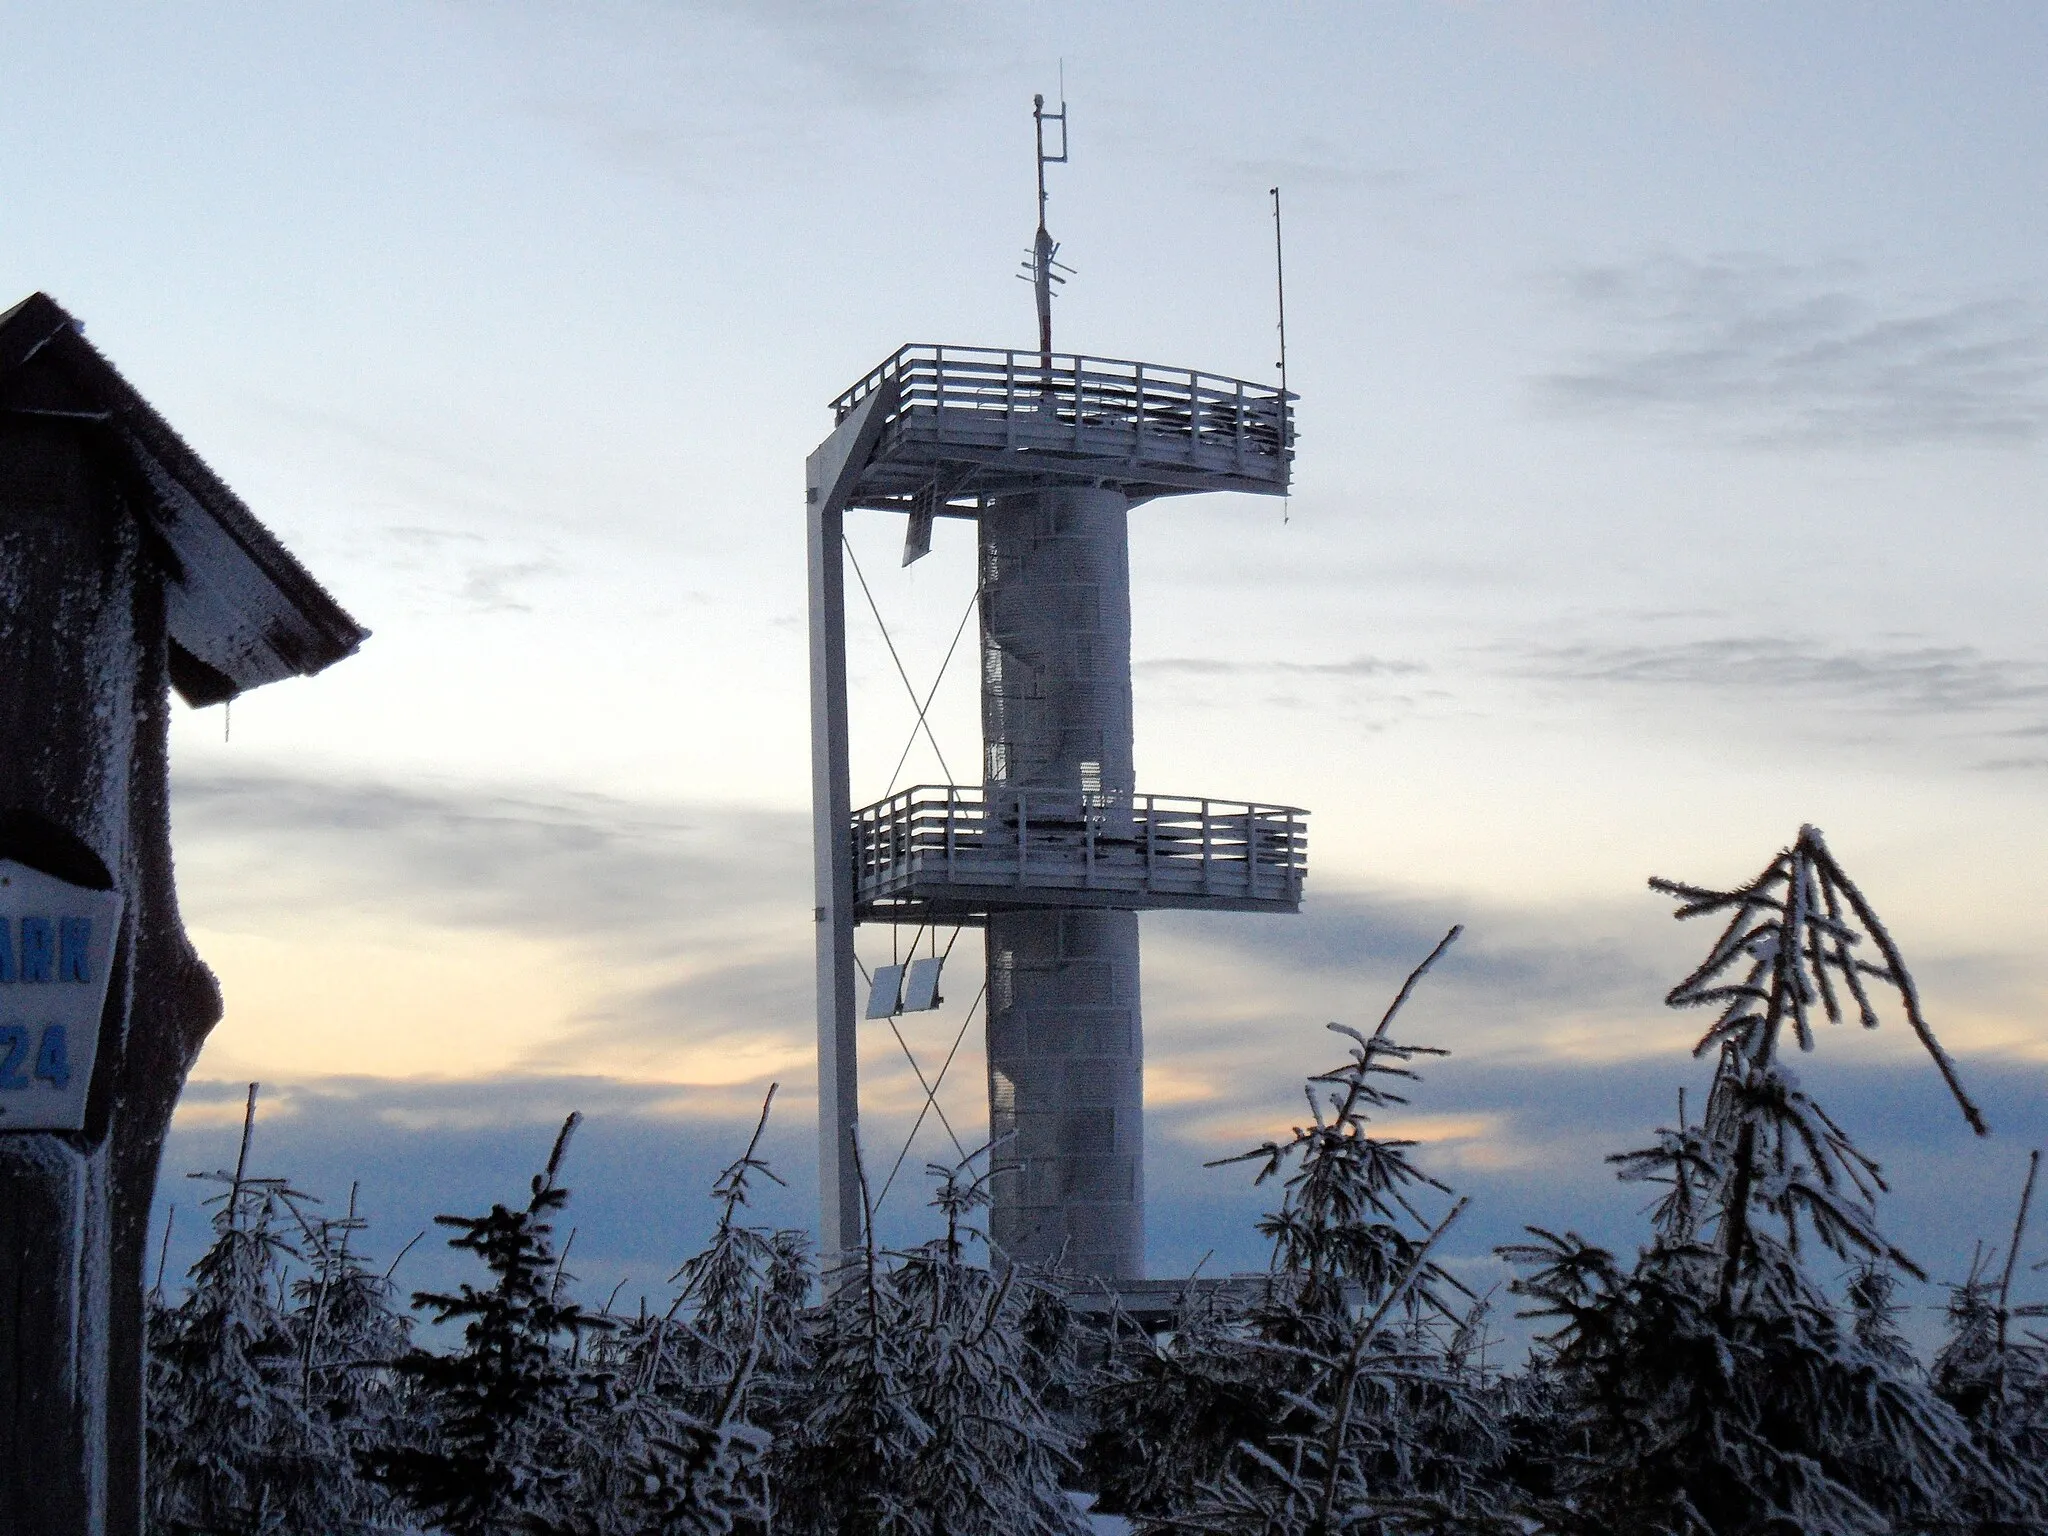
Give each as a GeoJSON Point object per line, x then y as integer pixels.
{"type": "Point", "coordinates": [829, 477]}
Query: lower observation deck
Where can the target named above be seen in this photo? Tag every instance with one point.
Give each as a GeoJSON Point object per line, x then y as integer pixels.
{"type": "Point", "coordinates": [963, 423]}
{"type": "Point", "coordinates": [939, 851]}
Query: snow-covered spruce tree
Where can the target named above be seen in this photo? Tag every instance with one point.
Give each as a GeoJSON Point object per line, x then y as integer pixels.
{"type": "Point", "coordinates": [232, 1444]}
{"type": "Point", "coordinates": [1713, 1386]}
{"type": "Point", "coordinates": [1874, 1315]}
{"type": "Point", "coordinates": [497, 1406]}
{"type": "Point", "coordinates": [1169, 1413]}
{"type": "Point", "coordinates": [925, 1408]}
{"type": "Point", "coordinates": [348, 1331]}
{"type": "Point", "coordinates": [670, 1443]}
{"type": "Point", "coordinates": [1996, 1376]}
{"type": "Point", "coordinates": [1345, 1399]}
{"type": "Point", "coordinates": [164, 1390]}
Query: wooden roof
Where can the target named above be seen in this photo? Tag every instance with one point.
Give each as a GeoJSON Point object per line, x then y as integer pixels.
{"type": "Point", "coordinates": [241, 610]}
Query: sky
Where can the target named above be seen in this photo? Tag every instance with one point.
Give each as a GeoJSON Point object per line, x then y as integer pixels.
{"type": "Point", "coordinates": [1674, 394]}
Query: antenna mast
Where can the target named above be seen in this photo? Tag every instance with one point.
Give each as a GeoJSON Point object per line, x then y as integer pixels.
{"type": "Point", "coordinates": [1280, 289]}
{"type": "Point", "coordinates": [1043, 246]}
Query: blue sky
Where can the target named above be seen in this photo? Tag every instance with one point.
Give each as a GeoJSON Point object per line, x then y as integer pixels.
{"type": "Point", "coordinates": [1674, 389]}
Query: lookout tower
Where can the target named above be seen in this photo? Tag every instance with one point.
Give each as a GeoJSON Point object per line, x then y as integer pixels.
{"type": "Point", "coordinates": [1056, 851]}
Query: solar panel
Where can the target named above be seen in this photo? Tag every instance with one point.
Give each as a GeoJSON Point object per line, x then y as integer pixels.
{"type": "Point", "coordinates": [921, 991]}
{"type": "Point", "coordinates": [884, 991]}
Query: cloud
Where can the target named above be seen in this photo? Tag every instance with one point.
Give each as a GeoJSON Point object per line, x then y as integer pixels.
{"type": "Point", "coordinates": [453, 563]}
{"type": "Point", "coordinates": [450, 564]}
{"type": "Point", "coordinates": [516, 1102]}
{"type": "Point", "coordinates": [665, 140]}
{"type": "Point", "coordinates": [715, 95]}
{"type": "Point", "coordinates": [413, 469]}
{"type": "Point", "coordinates": [1950, 680]}
{"type": "Point", "coordinates": [464, 855]}
{"type": "Point", "coordinates": [1208, 666]}
{"type": "Point", "coordinates": [492, 587]}
{"type": "Point", "coordinates": [1789, 355]}
{"type": "Point", "coordinates": [891, 54]}
{"type": "Point", "coordinates": [466, 932]}
{"type": "Point", "coordinates": [1520, 984]}
{"type": "Point", "coordinates": [1309, 162]}
{"type": "Point", "coordinates": [1370, 693]}
{"type": "Point", "coordinates": [425, 926]}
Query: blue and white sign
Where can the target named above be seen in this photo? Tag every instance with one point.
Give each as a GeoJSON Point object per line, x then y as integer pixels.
{"type": "Point", "coordinates": [56, 952]}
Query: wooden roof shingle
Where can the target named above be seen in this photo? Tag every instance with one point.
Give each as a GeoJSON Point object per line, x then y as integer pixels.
{"type": "Point", "coordinates": [241, 610]}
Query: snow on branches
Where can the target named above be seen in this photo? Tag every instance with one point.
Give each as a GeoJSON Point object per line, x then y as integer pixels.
{"type": "Point", "coordinates": [1714, 1384]}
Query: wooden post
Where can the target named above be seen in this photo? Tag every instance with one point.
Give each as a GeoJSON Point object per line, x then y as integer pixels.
{"type": "Point", "coordinates": [105, 519]}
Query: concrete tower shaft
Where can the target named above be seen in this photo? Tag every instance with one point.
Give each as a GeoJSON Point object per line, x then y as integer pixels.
{"type": "Point", "coordinates": [1066, 1091]}
{"type": "Point", "coordinates": [1065, 1052]}
{"type": "Point", "coordinates": [1056, 645]}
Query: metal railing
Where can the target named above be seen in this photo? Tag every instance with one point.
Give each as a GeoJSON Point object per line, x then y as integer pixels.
{"type": "Point", "coordinates": [1159, 847]}
{"type": "Point", "coordinates": [989, 396]}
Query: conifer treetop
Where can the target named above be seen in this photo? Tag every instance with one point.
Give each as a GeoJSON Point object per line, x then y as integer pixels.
{"type": "Point", "coordinates": [1787, 950]}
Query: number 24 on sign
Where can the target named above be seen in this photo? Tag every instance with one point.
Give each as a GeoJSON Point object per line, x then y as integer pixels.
{"type": "Point", "coordinates": [26, 1057]}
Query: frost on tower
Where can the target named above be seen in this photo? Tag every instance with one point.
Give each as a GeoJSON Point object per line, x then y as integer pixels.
{"type": "Point", "coordinates": [1056, 851]}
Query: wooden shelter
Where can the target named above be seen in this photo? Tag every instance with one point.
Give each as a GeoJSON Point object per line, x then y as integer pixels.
{"type": "Point", "coordinates": [127, 569]}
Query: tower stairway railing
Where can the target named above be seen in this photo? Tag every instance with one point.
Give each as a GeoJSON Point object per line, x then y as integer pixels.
{"type": "Point", "coordinates": [976, 402]}
{"type": "Point", "coordinates": [956, 846]}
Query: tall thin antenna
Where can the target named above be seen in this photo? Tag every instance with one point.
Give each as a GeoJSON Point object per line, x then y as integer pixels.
{"type": "Point", "coordinates": [1280, 287]}
{"type": "Point", "coordinates": [1043, 247]}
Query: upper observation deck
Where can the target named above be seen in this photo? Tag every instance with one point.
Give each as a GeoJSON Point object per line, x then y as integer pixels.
{"type": "Point", "coordinates": [961, 423]}
{"type": "Point", "coordinates": [944, 851]}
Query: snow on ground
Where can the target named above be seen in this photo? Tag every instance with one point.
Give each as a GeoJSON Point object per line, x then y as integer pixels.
{"type": "Point", "coordinates": [1103, 1525]}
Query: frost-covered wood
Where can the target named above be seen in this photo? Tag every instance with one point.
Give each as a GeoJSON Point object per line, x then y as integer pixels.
{"type": "Point", "coordinates": [83, 787]}
{"type": "Point", "coordinates": [240, 610]}
{"type": "Point", "coordinates": [87, 657]}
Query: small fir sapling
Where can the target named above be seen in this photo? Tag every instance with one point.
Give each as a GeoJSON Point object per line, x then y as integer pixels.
{"type": "Point", "coordinates": [1351, 1455]}
{"type": "Point", "coordinates": [1996, 1376]}
{"type": "Point", "coordinates": [749, 1283]}
{"type": "Point", "coordinates": [924, 1411]}
{"type": "Point", "coordinates": [735, 1329]}
{"type": "Point", "coordinates": [675, 1442]}
{"type": "Point", "coordinates": [1874, 1315]}
{"type": "Point", "coordinates": [508, 1392]}
{"type": "Point", "coordinates": [350, 1331]}
{"type": "Point", "coordinates": [998, 1367]}
{"type": "Point", "coordinates": [1789, 935]}
{"type": "Point", "coordinates": [1344, 1398]}
{"type": "Point", "coordinates": [842, 1464]}
{"type": "Point", "coordinates": [1347, 1219]}
{"type": "Point", "coordinates": [234, 1443]}
{"type": "Point", "coordinates": [1712, 1386]}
